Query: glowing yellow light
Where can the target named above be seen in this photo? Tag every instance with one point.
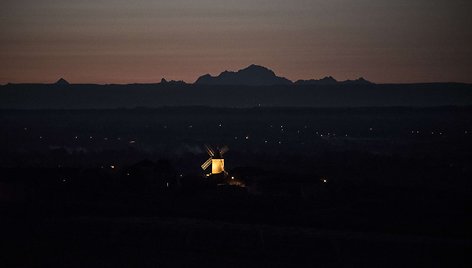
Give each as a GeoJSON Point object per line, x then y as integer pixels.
{"type": "Point", "coordinates": [217, 166]}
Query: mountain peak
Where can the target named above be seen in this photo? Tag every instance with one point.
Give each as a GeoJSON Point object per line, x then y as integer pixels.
{"type": "Point", "coordinates": [256, 67]}
{"type": "Point", "coordinates": [62, 82]}
{"type": "Point", "coordinates": [253, 75]}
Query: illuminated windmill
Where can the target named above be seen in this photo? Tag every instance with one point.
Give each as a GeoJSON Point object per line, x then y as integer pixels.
{"type": "Point", "coordinates": [216, 159]}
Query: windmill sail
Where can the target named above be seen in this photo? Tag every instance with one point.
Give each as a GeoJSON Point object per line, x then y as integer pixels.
{"type": "Point", "coordinates": [209, 150]}
{"type": "Point", "coordinates": [206, 164]}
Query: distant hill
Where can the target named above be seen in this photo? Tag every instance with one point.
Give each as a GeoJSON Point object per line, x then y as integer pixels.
{"type": "Point", "coordinates": [62, 82]}
{"type": "Point", "coordinates": [253, 75]}
{"type": "Point", "coordinates": [324, 81]}
{"type": "Point", "coordinates": [82, 96]}
{"type": "Point", "coordinates": [253, 86]}
{"type": "Point", "coordinates": [331, 81]}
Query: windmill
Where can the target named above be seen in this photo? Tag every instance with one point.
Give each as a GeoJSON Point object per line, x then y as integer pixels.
{"type": "Point", "coordinates": [216, 159]}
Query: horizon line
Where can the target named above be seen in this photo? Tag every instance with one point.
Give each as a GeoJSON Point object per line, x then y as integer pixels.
{"type": "Point", "coordinates": [214, 76]}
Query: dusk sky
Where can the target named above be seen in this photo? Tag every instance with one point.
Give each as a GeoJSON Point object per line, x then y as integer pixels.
{"type": "Point", "coordinates": [118, 41]}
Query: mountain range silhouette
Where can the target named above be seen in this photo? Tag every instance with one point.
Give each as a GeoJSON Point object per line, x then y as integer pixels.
{"type": "Point", "coordinates": [253, 75]}
{"type": "Point", "coordinates": [253, 86]}
{"type": "Point", "coordinates": [256, 75]}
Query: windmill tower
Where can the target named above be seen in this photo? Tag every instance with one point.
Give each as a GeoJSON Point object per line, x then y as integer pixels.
{"type": "Point", "coordinates": [216, 159]}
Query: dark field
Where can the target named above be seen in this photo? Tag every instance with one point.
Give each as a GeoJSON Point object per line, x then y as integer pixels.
{"type": "Point", "coordinates": [360, 187]}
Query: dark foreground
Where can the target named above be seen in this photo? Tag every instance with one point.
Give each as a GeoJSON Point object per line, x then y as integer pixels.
{"type": "Point", "coordinates": [370, 187]}
{"type": "Point", "coordinates": [170, 242]}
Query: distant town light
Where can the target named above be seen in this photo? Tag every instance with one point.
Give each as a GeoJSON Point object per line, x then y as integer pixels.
{"type": "Point", "coordinates": [232, 177]}
{"type": "Point", "coordinates": [132, 141]}
{"type": "Point", "coordinates": [112, 166]}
